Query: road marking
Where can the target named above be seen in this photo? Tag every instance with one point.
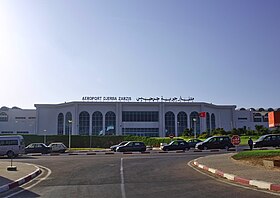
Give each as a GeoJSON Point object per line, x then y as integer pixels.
{"type": "Point", "coordinates": [230, 183]}
{"type": "Point", "coordinates": [26, 188]}
{"type": "Point", "coordinates": [122, 180]}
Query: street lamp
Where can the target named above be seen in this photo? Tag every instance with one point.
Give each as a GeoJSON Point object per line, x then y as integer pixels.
{"type": "Point", "coordinates": [69, 132]}
{"type": "Point", "coordinates": [178, 129]}
{"type": "Point", "coordinates": [45, 138]}
{"type": "Point", "coordinates": [194, 122]}
{"type": "Point", "coordinates": [90, 134]}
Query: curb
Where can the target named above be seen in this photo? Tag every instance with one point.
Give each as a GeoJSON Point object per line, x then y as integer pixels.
{"type": "Point", "coordinates": [116, 153]}
{"type": "Point", "coordinates": [240, 180]}
{"type": "Point", "coordinates": [20, 181]}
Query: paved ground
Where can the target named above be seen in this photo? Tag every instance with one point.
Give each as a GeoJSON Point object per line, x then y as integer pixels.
{"type": "Point", "coordinates": [23, 169]}
{"type": "Point", "coordinates": [144, 175]}
{"type": "Point", "coordinates": [15, 174]}
{"type": "Point", "coordinates": [156, 170]}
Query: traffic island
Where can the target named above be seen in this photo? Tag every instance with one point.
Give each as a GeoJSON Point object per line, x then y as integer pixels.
{"type": "Point", "coordinates": [238, 179]}
{"type": "Point", "coordinates": [11, 168]}
{"type": "Point", "coordinates": [268, 163]}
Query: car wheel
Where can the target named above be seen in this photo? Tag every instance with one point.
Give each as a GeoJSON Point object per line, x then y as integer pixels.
{"type": "Point", "coordinates": [10, 154]}
{"type": "Point", "coordinates": [205, 148]}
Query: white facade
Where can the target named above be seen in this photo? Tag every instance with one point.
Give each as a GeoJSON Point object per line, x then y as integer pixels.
{"type": "Point", "coordinates": [249, 118]}
{"type": "Point", "coordinates": [128, 118]}
{"type": "Point", "coordinates": [47, 117]}
{"type": "Point", "coordinates": [17, 121]}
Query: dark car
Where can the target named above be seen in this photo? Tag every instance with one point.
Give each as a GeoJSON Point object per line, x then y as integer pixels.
{"type": "Point", "coordinates": [37, 148]}
{"type": "Point", "coordinates": [267, 141]}
{"type": "Point", "coordinates": [193, 142]}
{"type": "Point", "coordinates": [132, 146]}
{"type": "Point", "coordinates": [215, 142]}
{"type": "Point", "coordinates": [176, 145]}
{"type": "Point", "coordinates": [114, 147]}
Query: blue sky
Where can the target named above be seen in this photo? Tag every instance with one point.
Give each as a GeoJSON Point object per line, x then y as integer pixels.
{"type": "Point", "coordinates": [217, 51]}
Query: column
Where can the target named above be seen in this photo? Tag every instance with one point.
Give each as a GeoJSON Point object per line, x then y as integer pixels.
{"type": "Point", "coordinates": [176, 125]}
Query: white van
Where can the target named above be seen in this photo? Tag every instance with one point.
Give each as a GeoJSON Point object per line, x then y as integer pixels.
{"type": "Point", "coordinates": [11, 146]}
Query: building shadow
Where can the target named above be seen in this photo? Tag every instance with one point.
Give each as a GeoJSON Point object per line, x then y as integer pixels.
{"type": "Point", "coordinates": [14, 188]}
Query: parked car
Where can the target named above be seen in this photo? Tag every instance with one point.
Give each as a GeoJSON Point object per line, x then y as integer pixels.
{"type": "Point", "coordinates": [193, 142]}
{"type": "Point", "coordinates": [114, 147]}
{"type": "Point", "coordinates": [132, 146]}
{"type": "Point", "coordinates": [176, 145]}
{"type": "Point", "coordinates": [37, 148]}
{"type": "Point", "coordinates": [58, 147]}
{"type": "Point", "coordinates": [268, 140]}
{"type": "Point", "coordinates": [215, 142]}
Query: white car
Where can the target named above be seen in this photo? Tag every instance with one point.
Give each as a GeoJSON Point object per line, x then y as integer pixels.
{"type": "Point", "coordinates": [58, 147]}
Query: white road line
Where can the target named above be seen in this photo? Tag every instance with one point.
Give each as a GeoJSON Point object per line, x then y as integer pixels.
{"type": "Point", "coordinates": [40, 180]}
{"type": "Point", "coordinates": [122, 180]}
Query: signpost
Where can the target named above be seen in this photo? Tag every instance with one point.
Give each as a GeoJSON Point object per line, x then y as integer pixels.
{"type": "Point", "coordinates": [235, 140]}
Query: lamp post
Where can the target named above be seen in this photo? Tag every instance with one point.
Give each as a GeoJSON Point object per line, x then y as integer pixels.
{"type": "Point", "coordinates": [178, 129]}
{"type": "Point", "coordinates": [69, 133]}
{"type": "Point", "coordinates": [90, 140]}
{"type": "Point", "coordinates": [194, 122]}
{"type": "Point", "coordinates": [45, 138]}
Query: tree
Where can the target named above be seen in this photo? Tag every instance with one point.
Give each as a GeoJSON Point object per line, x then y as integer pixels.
{"type": "Point", "coordinates": [187, 132]}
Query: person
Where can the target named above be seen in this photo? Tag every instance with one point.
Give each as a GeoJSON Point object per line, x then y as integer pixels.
{"type": "Point", "coordinates": [250, 143]}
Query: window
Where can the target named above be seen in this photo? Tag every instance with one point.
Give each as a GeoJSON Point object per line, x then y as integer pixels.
{"type": "Point", "coordinates": [182, 121]}
{"type": "Point", "coordinates": [194, 115]}
{"type": "Point", "coordinates": [169, 123]}
{"type": "Point", "coordinates": [213, 121]}
{"type": "Point", "coordinates": [257, 117]}
{"type": "Point", "coordinates": [148, 132]}
{"type": "Point", "coordinates": [20, 118]}
{"type": "Point", "coordinates": [110, 123]}
{"type": "Point", "coordinates": [60, 126]}
{"type": "Point", "coordinates": [265, 118]}
{"type": "Point", "coordinates": [8, 142]}
{"type": "Point", "coordinates": [7, 132]}
{"type": "Point", "coordinates": [208, 122]}
{"type": "Point", "coordinates": [140, 116]}
{"type": "Point", "coordinates": [97, 123]}
{"type": "Point", "coordinates": [84, 123]}
{"type": "Point", "coordinates": [22, 132]}
{"type": "Point", "coordinates": [267, 138]}
{"type": "Point", "coordinates": [68, 123]}
{"type": "Point", "coordinates": [3, 117]}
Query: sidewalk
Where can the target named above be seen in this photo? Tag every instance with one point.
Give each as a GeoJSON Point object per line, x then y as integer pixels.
{"type": "Point", "coordinates": [10, 179]}
{"type": "Point", "coordinates": [223, 165]}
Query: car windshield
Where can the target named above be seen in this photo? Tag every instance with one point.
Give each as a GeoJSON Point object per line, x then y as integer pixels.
{"type": "Point", "coordinates": [128, 144]}
{"type": "Point", "coordinates": [207, 139]}
{"type": "Point", "coordinates": [122, 143]}
{"type": "Point", "coordinates": [262, 137]}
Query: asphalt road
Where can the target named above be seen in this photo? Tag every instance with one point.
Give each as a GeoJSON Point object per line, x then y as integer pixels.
{"type": "Point", "coordinates": [128, 176]}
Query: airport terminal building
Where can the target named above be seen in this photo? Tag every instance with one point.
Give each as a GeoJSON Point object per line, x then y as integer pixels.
{"type": "Point", "coordinates": [155, 117]}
